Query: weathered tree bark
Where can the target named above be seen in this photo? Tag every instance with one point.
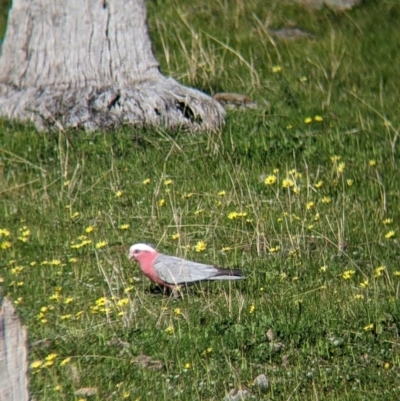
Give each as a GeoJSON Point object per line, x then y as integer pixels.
{"type": "Point", "coordinates": [13, 355]}
{"type": "Point", "coordinates": [89, 63]}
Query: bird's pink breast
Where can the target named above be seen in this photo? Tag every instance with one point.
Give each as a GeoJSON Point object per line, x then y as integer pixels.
{"type": "Point", "coordinates": [146, 262]}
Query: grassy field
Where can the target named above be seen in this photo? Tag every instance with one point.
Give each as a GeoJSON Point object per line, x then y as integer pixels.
{"type": "Point", "coordinates": [302, 195]}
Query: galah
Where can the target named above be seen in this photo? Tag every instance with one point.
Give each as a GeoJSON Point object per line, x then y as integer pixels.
{"type": "Point", "coordinates": [172, 272]}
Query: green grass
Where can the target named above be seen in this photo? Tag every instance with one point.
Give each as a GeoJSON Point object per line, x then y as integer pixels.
{"type": "Point", "coordinates": [339, 330]}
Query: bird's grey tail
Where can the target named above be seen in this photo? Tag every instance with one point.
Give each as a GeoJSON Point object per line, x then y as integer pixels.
{"type": "Point", "coordinates": [228, 274]}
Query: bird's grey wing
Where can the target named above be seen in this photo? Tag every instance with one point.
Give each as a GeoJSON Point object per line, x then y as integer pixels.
{"type": "Point", "coordinates": [178, 271]}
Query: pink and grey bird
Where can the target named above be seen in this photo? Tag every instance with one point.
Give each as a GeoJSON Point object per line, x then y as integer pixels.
{"type": "Point", "coordinates": [171, 272]}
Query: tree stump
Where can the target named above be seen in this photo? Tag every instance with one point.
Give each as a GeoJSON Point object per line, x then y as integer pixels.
{"type": "Point", "coordinates": [89, 64]}
{"type": "Point", "coordinates": [13, 355]}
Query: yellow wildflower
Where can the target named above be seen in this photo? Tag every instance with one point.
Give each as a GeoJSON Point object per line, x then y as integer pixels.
{"type": "Point", "coordinates": [387, 221]}
{"type": "Point", "coordinates": [124, 226]}
{"type": "Point", "coordinates": [200, 246]}
{"type": "Point", "coordinates": [308, 120]}
{"type": "Point", "coordinates": [169, 329]}
{"type": "Point", "coordinates": [118, 194]}
{"type": "Point", "coordinates": [318, 184]}
{"type": "Point", "coordinates": [36, 364]}
{"type": "Point", "coordinates": [326, 199]}
{"type": "Point", "coordinates": [379, 271]}
{"type": "Point", "coordinates": [252, 308]}
{"type": "Point", "coordinates": [5, 245]}
{"type": "Point", "coordinates": [318, 118]}
{"type": "Point", "coordinates": [161, 202]}
{"type": "Point", "coordinates": [168, 182]}
{"type": "Point", "coordinates": [369, 327]}
{"type": "Point", "coordinates": [221, 193]}
{"type": "Point", "coordinates": [349, 182]}
{"type": "Point", "coordinates": [4, 232]}
{"type": "Point", "coordinates": [233, 215]}
{"type": "Point", "coordinates": [270, 180]}
{"type": "Point", "coordinates": [341, 167]}
{"type": "Point", "coordinates": [175, 236]}
{"type": "Point", "coordinates": [276, 69]}
{"type": "Point", "coordinates": [310, 205]}
{"type": "Point", "coordinates": [123, 302]}
{"type": "Point", "coordinates": [101, 244]}
{"type": "Point", "coordinates": [146, 181]}
{"type": "Point", "coordinates": [348, 274]}
{"type": "Point", "coordinates": [372, 163]}
{"type": "Point", "coordinates": [89, 229]}
{"type": "Point", "coordinates": [287, 183]}
{"type": "Point", "coordinates": [390, 234]}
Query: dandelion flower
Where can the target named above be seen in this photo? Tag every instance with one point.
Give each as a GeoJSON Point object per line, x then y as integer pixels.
{"type": "Point", "coordinates": [187, 195]}
{"type": "Point", "coordinates": [188, 365]}
{"type": "Point", "coordinates": [318, 184]}
{"type": "Point", "coordinates": [341, 167]}
{"type": "Point", "coordinates": [335, 158]}
{"type": "Point", "coordinates": [123, 302]}
{"type": "Point", "coordinates": [169, 330]}
{"type": "Point", "coordinates": [175, 236]}
{"type": "Point", "coordinates": [379, 271]}
{"type": "Point", "coordinates": [200, 246]}
{"type": "Point", "coordinates": [310, 205]}
{"type": "Point", "coordinates": [168, 182]}
{"type": "Point", "coordinates": [65, 361]}
{"type": "Point", "coordinates": [4, 232]}
{"type": "Point", "coordinates": [198, 211]}
{"type": "Point", "coordinates": [221, 193]}
{"type": "Point", "coordinates": [308, 120]}
{"type": "Point", "coordinates": [364, 284]}
{"type": "Point", "coordinates": [51, 357]}
{"type": "Point", "coordinates": [372, 163]}
{"type": "Point", "coordinates": [275, 249]}
{"type": "Point", "coordinates": [146, 181]}
{"type": "Point", "coordinates": [252, 308]}
{"type": "Point", "coordinates": [101, 244]}
{"type": "Point", "coordinates": [89, 229]}
{"type": "Point", "coordinates": [36, 364]}
{"type": "Point", "coordinates": [233, 215]}
{"type": "Point", "coordinates": [177, 311]}
{"type": "Point", "coordinates": [118, 194]}
{"type": "Point", "coordinates": [5, 245]}
{"type": "Point", "coordinates": [369, 327]}
{"type": "Point", "coordinates": [161, 202]}
{"type": "Point", "coordinates": [276, 69]}
{"type": "Point", "coordinates": [349, 182]}
{"type": "Point", "coordinates": [390, 234]}
{"type": "Point", "coordinates": [124, 226]}
{"type": "Point", "coordinates": [270, 180]}
{"type": "Point", "coordinates": [318, 119]}
{"type": "Point", "coordinates": [287, 183]}
{"type": "Point", "coordinates": [348, 274]}
{"type": "Point", "coordinates": [323, 269]}
{"type": "Point", "coordinates": [387, 221]}
{"type": "Point", "coordinates": [358, 296]}
{"type": "Point", "coordinates": [326, 199]}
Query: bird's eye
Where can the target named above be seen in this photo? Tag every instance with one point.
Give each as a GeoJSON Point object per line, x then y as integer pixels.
{"type": "Point", "coordinates": [136, 251]}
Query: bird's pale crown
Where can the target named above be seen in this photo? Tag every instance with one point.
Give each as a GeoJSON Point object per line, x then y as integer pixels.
{"type": "Point", "coordinates": [140, 247]}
